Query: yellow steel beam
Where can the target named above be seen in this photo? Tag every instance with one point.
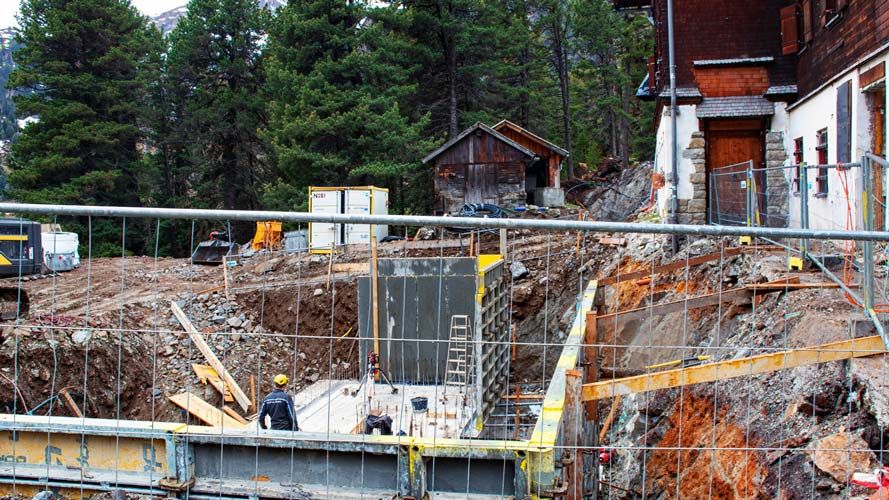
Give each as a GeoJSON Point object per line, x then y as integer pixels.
{"type": "Point", "coordinates": [754, 365]}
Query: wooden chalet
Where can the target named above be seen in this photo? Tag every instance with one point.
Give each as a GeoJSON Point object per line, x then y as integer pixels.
{"type": "Point", "coordinates": [505, 165]}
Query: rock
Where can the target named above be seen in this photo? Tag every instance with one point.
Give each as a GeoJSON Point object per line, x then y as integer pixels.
{"type": "Point", "coordinates": [318, 292]}
{"type": "Point", "coordinates": [870, 372]}
{"type": "Point", "coordinates": [234, 322]}
{"type": "Point", "coordinates": [236, 337]}
{"type": "Point", "coordinates": [47, 495]}
{"type": "Point", "coordinates": [169, 350]}
{"type": "Point", "coordinates": [81, 336]}
{"type": "Point", "coordinates": [425, 233]}
{"type": "Point", "coordinates": [518, 270]}
{"type": "Point", "coordinates": [218, 318]}
{"type": "Point", "coordinates": [313, 377]}
{"type": "Point", "coordinates": [842, 454]}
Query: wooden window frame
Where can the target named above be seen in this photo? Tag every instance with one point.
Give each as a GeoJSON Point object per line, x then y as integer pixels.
{"type": "Point", "coordinates": [822, 141]}
{"type": "Point", "coordinates": [798, 146]}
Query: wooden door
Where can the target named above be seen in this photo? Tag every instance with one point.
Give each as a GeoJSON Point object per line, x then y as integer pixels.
{"type": "Point", "coordinates": [731, 144]}
{"type": "Point", "coordinates": [481, 183]}
{"type": "Point", "coordinates": [878, 126]}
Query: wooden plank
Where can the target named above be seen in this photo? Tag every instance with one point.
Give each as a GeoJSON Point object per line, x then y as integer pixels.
{"type": "Point", "coordinates": [202, 346]}
{"type": "Point", "coordinates": [203, 411]}
{"type": "Point", "coordinates": [69, 402]}
{"type": "Point", "coordinates": [355, 267]}
{"type": "Point", "coordinates": [754, 365]}
{"type": "Point", "coordinates": [252, 392]}
{"type": "Point", "coordinates": [233, 414]}
{"type": "Point", "coordinates": [680, 264]}
{"type": "Point", "coordinates": [779, 287]}
{"type": "Point", "coordinates": [207, 375]}
{"type": "Point", "coordinates": [617, 242]}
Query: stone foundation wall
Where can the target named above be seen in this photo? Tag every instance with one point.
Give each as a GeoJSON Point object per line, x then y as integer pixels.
{"type": "Point", "coordinates": [777, 186]}
{"type": "Point", "coordinates": [694, 210]}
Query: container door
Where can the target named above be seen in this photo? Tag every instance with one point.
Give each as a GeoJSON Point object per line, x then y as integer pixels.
{"type": "Point", "coordinates": [324, 234]}
{"type": "Point", "coordinates": [381, 207]}
{"type": "Point", "coordinates": [358, 203]}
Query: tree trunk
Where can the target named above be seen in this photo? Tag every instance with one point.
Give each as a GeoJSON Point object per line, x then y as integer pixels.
{"type": "Point", "coordinates": [452, 89]}
{"type": "Point", "coordinates": [562, 70]}
{"type": "Point", "coordinates": [624, 135]}
{"type": "Point", "coordinates": [525, 105]}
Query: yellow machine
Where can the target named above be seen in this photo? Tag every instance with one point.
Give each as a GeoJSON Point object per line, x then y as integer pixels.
{"type": "Point", "coordinates": [268, 236]}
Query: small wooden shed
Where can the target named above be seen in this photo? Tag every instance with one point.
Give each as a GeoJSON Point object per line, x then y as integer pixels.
{"type": "Point", "coordinates": [484, 165]}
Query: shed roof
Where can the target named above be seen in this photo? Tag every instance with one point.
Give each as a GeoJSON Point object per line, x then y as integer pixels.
{"type": "Point", "coordinates": [732, 107]}
{"type": "Point", "coordinates": [530, 135]}
{"type": "Point", "coordinates": [485, 128]}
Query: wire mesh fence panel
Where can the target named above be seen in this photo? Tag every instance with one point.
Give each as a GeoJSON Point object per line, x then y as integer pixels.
{"type": "Point", "coordinates": [538, 355]}
{"type": "Point", "coordinates": [728, 194]}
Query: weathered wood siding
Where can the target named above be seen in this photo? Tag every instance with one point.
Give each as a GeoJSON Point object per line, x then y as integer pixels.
{"type": "Point", "coordinates": [479, 157]}
{"type": "Point", "coordinates": [862, 28]}
{"type": "Point", "coordinates": [553, 160]}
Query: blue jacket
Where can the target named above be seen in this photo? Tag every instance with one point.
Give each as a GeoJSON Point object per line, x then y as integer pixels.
{"type": "Point", "coordinates": [279, 406]}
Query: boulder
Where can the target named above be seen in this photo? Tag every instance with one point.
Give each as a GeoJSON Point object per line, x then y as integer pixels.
{"type": "Point", "coordinates": [843, 454]}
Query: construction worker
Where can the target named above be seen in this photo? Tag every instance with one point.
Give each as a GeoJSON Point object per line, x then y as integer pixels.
{"type": "Point", "coordinates": [278, 405]}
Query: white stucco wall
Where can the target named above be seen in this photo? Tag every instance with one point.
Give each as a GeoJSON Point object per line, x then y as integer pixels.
{"type": "Point", "coordinates": [805, 120]}
{"type": "Point", "coordinates": [686, 124]}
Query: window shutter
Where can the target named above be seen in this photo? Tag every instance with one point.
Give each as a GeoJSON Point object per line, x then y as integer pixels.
{"type": "Point", "coordinates": [806, 7]}
{"type": "Point", "coordinates": [652, 83]}
{"type": "Point", "coordinates": [789, 36]}
{"type": "Point", "coordinates": [844, 123]}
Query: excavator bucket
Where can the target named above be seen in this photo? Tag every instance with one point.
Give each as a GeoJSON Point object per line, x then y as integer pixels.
{"type": "Point", "coordinates": [268, 236]}
{"type": "Point", "coordinates": [211, 252]}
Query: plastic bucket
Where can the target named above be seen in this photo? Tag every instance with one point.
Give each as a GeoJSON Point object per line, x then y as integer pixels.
{"type": "Point", "coordinates": [420, 404]}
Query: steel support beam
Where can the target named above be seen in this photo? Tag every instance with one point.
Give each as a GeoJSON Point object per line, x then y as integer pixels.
{"type": "Point", "coordinates": [733, 368]}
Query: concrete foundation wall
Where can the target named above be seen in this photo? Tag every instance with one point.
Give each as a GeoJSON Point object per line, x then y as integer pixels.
{"type": "Point", "coordinates": [417, 298]}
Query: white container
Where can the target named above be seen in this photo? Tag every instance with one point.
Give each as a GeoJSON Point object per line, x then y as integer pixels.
{"type": "Point", "coordinates": [346, 200]}
{"type": "Point", "coordinates": [296, 241]}
{"type": "Point", "coordinates": [60, 251]}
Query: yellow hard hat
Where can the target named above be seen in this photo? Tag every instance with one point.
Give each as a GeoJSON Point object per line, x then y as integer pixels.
{"type": "Point", "coordinates": [280, 379]}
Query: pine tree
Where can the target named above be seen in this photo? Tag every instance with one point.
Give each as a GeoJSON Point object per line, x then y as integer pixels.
{"type": "Point", "coordinates": [212, 106]}
{"type": "Point", "coordinates": [337, 81]}
{"type": "Point", "coordinates": [85, 63]}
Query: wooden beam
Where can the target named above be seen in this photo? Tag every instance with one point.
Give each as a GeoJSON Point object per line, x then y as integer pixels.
{"type": "Point", "coordinates": [69, 402]}
{"type": "Point", "coordinates": [235, 415]}
{"type": "Point", "coordinates": [780, 287]}
{"type": "Point", "coordinates": [733, 368]}
{"type": "Point", "coordinates": [204, 411]}
{"type": "Point", "coordinates": [609, 419]}
{"type": "Point", "coordinates": [591, 359]}
{"type": "Point", "coordinates": [680, 264]}
{"type": "Point", "coordinates": [253, 392]}
{"type": "Point", "coordinates": [214, 362]}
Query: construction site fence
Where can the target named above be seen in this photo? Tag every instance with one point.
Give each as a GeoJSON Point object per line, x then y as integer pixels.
{"type": "Point", "coordinates": [828, 196]}
{"type": "Point", "coordinates": [592, 407]}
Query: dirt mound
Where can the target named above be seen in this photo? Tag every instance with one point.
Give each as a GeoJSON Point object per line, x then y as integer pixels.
{"type": "Point", "coordinates": [715, 460]}
{"type": "Point", "coordinates": [49, 360]}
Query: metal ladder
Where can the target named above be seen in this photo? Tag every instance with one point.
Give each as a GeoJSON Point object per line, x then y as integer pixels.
{"type": "Point", "coordinates": [457, 374]}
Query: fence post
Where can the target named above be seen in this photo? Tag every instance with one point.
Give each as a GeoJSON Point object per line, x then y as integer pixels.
{"type": "Point", "coordinates": [749, 186]}
{"type": "Point", "coordinates": [867, 211]}
{"type": "Point", "coordinates": [803, 207]}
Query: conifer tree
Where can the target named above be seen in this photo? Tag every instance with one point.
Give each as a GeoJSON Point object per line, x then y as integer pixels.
{"type": "Point", "coordinates": [83, 67]}
{"type": "Point", "coordinates": [213, 80]}
{"type": "Point", "coordinates": [337, 79]}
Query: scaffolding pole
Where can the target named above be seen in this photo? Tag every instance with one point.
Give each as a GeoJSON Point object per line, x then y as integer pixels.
{"type": "Point", "coordinates": [418, 220]}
